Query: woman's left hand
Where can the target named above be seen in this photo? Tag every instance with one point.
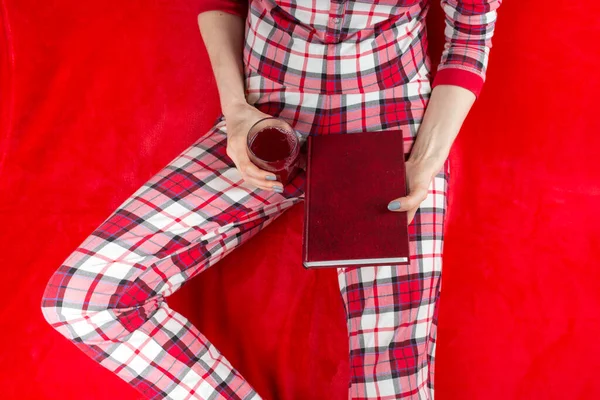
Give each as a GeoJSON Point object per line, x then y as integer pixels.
{"type": "Point", "coordinates": [418, 175]}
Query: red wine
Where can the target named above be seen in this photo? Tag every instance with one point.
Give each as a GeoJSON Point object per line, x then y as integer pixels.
{"type": "Point", "coordinates": [272, 144]}
{"type": "Point", "coordinates": [274, 148]}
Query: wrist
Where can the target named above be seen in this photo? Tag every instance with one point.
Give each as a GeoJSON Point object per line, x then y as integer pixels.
{"type": "Point", "coordinates": [428, 151]}
{"type": "Point", "coordinates": [432, 165]}
{"type": "Point", "coordinates": [234, 107]}
{"type": "Point", "coordinates": [428, 158]}
{"type": "Point", "coordinates": [432, 143]}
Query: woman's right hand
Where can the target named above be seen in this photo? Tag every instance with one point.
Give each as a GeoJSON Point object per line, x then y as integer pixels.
{"type": "Point", "coordinates": [238, 120]}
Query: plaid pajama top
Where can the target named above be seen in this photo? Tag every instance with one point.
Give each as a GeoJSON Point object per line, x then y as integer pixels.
{"type": "Point", "coordinates": [345, 46]}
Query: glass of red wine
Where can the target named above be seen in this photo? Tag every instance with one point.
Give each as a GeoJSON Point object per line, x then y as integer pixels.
{"type": "Point", "coordinates": [273, 146]}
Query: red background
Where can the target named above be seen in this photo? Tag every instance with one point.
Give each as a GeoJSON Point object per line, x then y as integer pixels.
{"type": "Point", "coordinates": [98, 96]}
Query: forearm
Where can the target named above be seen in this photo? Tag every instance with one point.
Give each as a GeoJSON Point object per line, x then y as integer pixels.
{"type": "Point", "coordinates": [446, 111]}
{"type": "Point", "coordinates": [460, 76]}
{"type": "Point", "coordinates": [223, 36]}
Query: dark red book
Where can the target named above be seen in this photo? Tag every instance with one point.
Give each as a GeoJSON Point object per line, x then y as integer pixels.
{"type": "Point", "coordinates": [350, 179]}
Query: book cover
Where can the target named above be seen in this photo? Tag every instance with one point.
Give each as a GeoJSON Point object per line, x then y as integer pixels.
{"type": "Point", "coordinates": [350, 179]}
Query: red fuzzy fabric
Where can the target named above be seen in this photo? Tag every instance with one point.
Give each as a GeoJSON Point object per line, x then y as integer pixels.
{"type": "Point", "coordinates": [97, 96]}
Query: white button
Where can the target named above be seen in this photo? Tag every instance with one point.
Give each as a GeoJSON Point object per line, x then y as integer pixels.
{"type": "Point", "coordinates": [337, 21]}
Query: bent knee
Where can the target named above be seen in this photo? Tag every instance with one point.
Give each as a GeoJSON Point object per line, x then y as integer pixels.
{"type": "Point", "coordinates": [68, 306]}
{"type": "Point", "coordinates": [86, 309]}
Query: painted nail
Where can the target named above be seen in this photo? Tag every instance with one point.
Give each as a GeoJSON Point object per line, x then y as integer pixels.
{"type": "Point", "coordinates": [271, 177]}
{"type": "Point", "coordinates": [278, 189]}
{"type": "Point", "coordinates": [394, 205]}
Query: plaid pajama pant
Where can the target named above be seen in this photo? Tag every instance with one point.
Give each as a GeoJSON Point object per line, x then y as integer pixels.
{"type": "Point", "coordinates": [109, 297]}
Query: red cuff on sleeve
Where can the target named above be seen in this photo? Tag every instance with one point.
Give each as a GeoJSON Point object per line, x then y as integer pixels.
{"type": "Point", "coordinates": [459, 77]}
{"type": "Point", "coordinates": [235, 7]}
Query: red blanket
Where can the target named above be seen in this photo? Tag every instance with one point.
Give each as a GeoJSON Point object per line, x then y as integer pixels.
{"type": "Point", "coordinates": [97, 96]}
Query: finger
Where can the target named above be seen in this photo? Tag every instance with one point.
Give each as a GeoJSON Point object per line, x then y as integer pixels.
{"type": "Point", "coordinates": [250, 169]}
{"type": "Point", "coordinates": [412, 200]}
{"type": "Point", "coordinates": [261, 174]}
{"type": "Point", "coordinates": [246, 166]}
{"type": "Point", "coordinates": [242, 167]}
{"type": "Point", "coordinates": [272, 186]}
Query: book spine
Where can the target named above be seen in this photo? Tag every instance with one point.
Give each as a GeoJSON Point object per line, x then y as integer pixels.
{"type": "Point", "coordinates": [404, 215]}
{"type": "Point", "coordinates": [307, 199]}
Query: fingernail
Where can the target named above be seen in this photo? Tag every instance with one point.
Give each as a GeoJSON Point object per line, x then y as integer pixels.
{"type": "Point", "coordinates": [271, 177]}
{"type": "Point", "coordinates": [394, 205]}
{"type": "Point", "coordinates": [278, 189]}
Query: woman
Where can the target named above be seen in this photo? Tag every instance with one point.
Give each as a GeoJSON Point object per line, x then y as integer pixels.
{"type": "Point", "coordinates": [326, 67]}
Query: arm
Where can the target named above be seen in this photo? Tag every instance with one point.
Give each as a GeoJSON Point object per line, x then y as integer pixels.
{"type": "Point", "coordinates": [221, 25]}
{"type": "Point", "coordinates": [222, 33]}
{"type": "Point", "coordinates": [456, 85]}
{"type": "Point", "coordinates": [459, 78]}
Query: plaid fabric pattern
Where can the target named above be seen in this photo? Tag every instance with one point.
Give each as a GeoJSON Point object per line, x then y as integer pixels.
{"type": "Point", "coordinates": [347, 47]}
{"type": "Point", "coordinates": [110, 296]}
{"type": "Point", "coordinates": [469, 31]}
